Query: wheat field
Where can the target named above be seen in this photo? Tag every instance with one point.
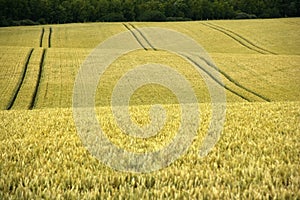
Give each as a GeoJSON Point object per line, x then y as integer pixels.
{"type": "Point", "coordinates": [256, 157]}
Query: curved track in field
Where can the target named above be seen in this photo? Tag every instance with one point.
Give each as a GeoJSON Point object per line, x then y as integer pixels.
{"type": "Point", "coordinates": [34, 97]}
{"type": "Point", "coordinates": [143, 36]}
{"type": "Point", "coordinates": [12, 101]}
{"type": "Point", "coordinates": [212, 77]}
{"type": "Point", "coordinates": [238, 38]}
{"type": "Point", "coordinates": [42, 37]}
{"type": "Point", "coordinates": [234, 81]}
{"type": "Point", "coordinates": [49, 37]}
{"type": "Point", "coordinates": [135, 36]}
{"type": "Point", "coordinates": [217, 81]}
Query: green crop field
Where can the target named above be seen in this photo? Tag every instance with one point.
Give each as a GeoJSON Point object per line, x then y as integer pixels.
{"type": "Point", "coordinates": [257, 155]}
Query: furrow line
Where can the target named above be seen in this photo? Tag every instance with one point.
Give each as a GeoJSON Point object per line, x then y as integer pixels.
{"type": "Point", "coordinates": [216, 80]}
{"type": "Point", "coordinates": [135, 36]}
{"type": "Point", "coordinates": [42, 36]}
{"type": "Point", "coordinates": [49, 38]}
{"type": "Point", "coordinates": [143, 36]}
{"type": "Point", "coordinates": [34, 98]}
{"type": "Point", "coordinates": [235, 39]}
{"type": "Point", "coordinates": [233, 81]}
{"type": "Point", "coordinates": [20, 81]}
{"type": "Point", "coordinates": [243, 38]}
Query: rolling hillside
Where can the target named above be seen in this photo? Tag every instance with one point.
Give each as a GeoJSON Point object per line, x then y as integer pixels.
{"type": "Point", "coordinates": [257, 155]}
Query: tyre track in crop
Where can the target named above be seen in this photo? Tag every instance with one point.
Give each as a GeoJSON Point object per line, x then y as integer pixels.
{"type": "Point", "coordinates": [201, 68]}
{"type": "Point", "coordinates": [238, 38]}
{"type": "Point", "coordinates": [49, 37]}
{"type": "Point", "coordinates": [216, 80]}
{"type": "Point", "coordinates": [34, 98]}
{"type": "Point", "coordinates": [229, 78]}
{"type": "Point", "coordinates": [25, 95]}
{"type": "Point", "coordinates": [245, 39]}
{"type": "Point", "coordinates": [45, 41]}
{"type": "Point", "coordinates": [12, 101]}
{"type": "Point", "coordinates": [135, 36]}
{"type": "Point", "coordinates": [143, 36]}
{"type": "Point", "coordinates": [41, 65]}
{"type": "Point", "coordinates": [42, 36]}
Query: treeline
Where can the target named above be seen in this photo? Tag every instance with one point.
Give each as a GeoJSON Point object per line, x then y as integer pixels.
{"type": "Point", "coordinates": [30, 12]}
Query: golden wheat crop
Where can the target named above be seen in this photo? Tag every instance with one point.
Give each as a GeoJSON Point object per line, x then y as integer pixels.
{"type": "Point", "coordinates": [256, 157]}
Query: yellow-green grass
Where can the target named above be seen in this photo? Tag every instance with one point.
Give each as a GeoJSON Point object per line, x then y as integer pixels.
{"type": "Point", "coordinates": [59, 72]}
{"type": "Point", "coordinates": [11, 69]}
{"type": "Point", "coordinates": [58, 76]}
{"type": "Point", "coordinates": [152, 93]}
{"type": "Point", "coordinates": [63, 36]}
{"type": "Point", "coordinates": [211, 40]}
{"type": "Point", "coordinates": [84, 35]}
{"type": "Point", "coordinates": [28, 36]}
{"type": "Point", "coordinates": [257, 156]}
{"type": "Point", "coordinates": [277, 35]}
{"type": "Point", "coordinates": [274, 76]}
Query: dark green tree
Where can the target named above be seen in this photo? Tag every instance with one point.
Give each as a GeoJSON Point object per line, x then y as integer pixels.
{"type": "Point", "coordinates": [17, 12]}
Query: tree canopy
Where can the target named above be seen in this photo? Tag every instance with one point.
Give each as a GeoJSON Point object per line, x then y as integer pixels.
{"type": "Point", "coordinates": [28, 12]}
